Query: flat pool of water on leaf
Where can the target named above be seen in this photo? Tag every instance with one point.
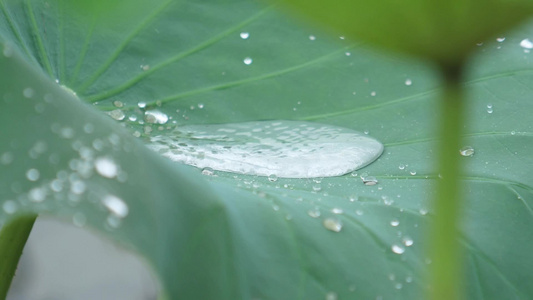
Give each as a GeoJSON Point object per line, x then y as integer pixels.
{"type": "Point", "coordinates": [288, 149]}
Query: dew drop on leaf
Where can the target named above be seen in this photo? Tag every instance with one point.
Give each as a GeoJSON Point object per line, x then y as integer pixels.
{"type": "Point", "coordinates": [314, 213]}
{"type": "Point", "coordinates": [467, 151]}
{"type": "Point", "coordinates": [394, 222]}
{"type": "Point", "coordinates": [117, 114]}
{"type": "Point", "coordinates": [106, 167]}
{"type": "Point", "coordinates": [244, 35]}
{"type": "Point", "coordinates": [337, 210]}
{"type": "Point", "coordinates": [408, 82]}
{"type": "Point", "coordinates": [369, 180]}
{"type": "Point", "coordinates": [115, 205]}
{"type": "Point", "coordinates": [526, 44]}
{"type": "Point", "coordinates": [332, 224]}
{"type": "Point", "coordinates": [155, 117]}
{"type": "Point", "coordinates": [247, 61]}
{"type": "Point", "coordinates": [397, 249]}
{"type": "Point", "coordinates": [286, 149]}
{"type": "Point", "coordinates": [208, 172]}
{"type": "Point", "coordinates": [141, 104]}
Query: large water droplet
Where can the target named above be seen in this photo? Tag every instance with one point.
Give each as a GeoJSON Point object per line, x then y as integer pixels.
{"type": "Point", "coordinates": [397, 249]}
{"type": "Point", "coordinates": [155, 117]}
{"type": "Point", "coordinates": [288, 149]}
{"type": "Point", "coordinates": [467, 151]}
{"type": "Point", "coordinates": [117, 114]}
{"type": "Point", "coordinates": [245, 35]}
{"type": "Point", "coordinates": [116, 206]}
{"type": "Point", "coordinates": [332, 224]}
{"type": "Point", "coordinates": [247, 61]}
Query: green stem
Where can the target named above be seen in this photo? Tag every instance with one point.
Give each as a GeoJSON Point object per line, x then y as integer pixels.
{"type": "Point", "coordinates": [445, 253]}
{"type": "Point", "coordinates": [13, 237]}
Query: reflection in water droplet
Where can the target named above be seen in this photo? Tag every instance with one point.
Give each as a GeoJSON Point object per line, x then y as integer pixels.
{"type": "Point", "coordinates": [106, 167]}
{"type": "Point", "coordinates": [32, 175]}
{"type": "Point", "coordinates": [288, 149]}
{"type": "Point", "coordinates": [116, 206]}
{"type": "Point", "coordinates": [526, 44]}
{"type": "Point", "coordinates": [155, 117]}
{"type": "Point", "coordinates": [467, 151]}
{"type": "Point", "coordinates": [248, 61]}
{"type": "Point", "coordinates": [397, 249]}
{"type": "Point", "coordinates": [332, 224]}
{"type": "Point", "coordinates": [245, 35]}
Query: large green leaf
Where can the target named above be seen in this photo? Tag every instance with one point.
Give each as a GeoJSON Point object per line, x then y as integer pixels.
{"type": "Point", "coordinates": [234, 236]}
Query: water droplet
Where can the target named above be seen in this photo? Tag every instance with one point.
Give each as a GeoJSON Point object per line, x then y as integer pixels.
{"type": "Point", "coordinates": [408, 82]}
{"type": "Point", "coordinates": [290, 149]}
{"type": "Point", "coordinates": [10, 207]}
{"type": "Point", "coordinates": [359, 212]}
{"type": "Point", "coordinates": [28, 92]}
{"type": "Point", "coordinates": [407, 241]}
{"type": "Point", "coordinates": [314, 213]}
{"type": "Point", "coordinates": [200, 105]}
{"type": "Point", "coordinates": [347, 53]}
{"type": "Point", "coordinates": [106, 167]}
{"type": "Point", "coordinates": [312, 37]}
{"type": "Point", "coordinates": [369, 180]}
{"type": "Point", "coordinates": [37, 194]}
{"type": "Point", "coordinates": [500, 39]}
{"type": "Point", "coordinates": [467, 151]}
{"type": "Point", "coordinates": [397, 249]}
{"type": "Point", "coordinates": [117, 114]}
{"type": "Point", "coordinates": [401, 167]}
{"type": "Point", "coordinates": [155, 117]}
{"type": "Point", "coordinates": [423, 211]}
{"type": "Point", "coordinates": [317, 188]}
{"type": "Point", "coordinates": [272, 178]}
{"type": "Point", "coordinates": [412, 173]}
{"type": "Point", "coordinates": [115, 205]}
{"type": "Point", "coordinates": [489, 108]}
{"type": "Point", "coordinates": [373, 94]}
{"type": "Point", "coordinates": [337, 210]}
{"type": "Point", "coordinates": [332, 224]}
{"type": "Point", "coordinates": [141, 105]}
{"type": "Point", "coordinates": [387, 200]}
{"type": "Point", "coordinates": [526, 44]}
{"type": "Point", "coordinates": [145, 67]}
{"type": "Point", "coordinates": [118, 104]}
{"type": "Point", "coordinates": [245, 35]}
{"type": "Point", "coordinates": [6, 158]}
{"type": "Point", "coordinates": [33, 174]}
{"type": "Point", "coordinates": [331, 296]}
{"type": "Point", "coordinates": [394, 222]}
{"type": "Point", "coordinates": [137, 133]}
{"type": "Point", "coordinates": [208, 172]}
{"type": "Point", "coordinates": [248, 61]}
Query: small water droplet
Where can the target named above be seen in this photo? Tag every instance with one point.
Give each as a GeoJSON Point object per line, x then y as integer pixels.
{"type": "Point", "coordinates": [137, 133]}
{"type": "Point", "coordinates": [208, 172]}
{"type": "Point", "coordinates": [118, 103]}
{"type": "Point", "coordinates": [312, 37]}
{"type": "Point", "coordinates": [117, 114]}
{"type": "Point", "coordinates": [332, 224]}
{"type": "Point", "coordinates": [412, 172]}
{"type": "Point", "coordinates": [244, 35]}
{"type": "Point", "coordinates": [407, 241]}
{"type": "Point", "coordinates": [397, 249]}
{"type": "Point", "coordinates": [155, 117]}
{"type": "Point", "coordinates": [337, 210]}
{"type": "Point", "coordinates": [394, 222]}
{"type": "Point", "coordinates": [408, 82]}
{"type": "Point", "coordinates": [145, 67]}
{"type": "Point", "coordinates": [248, 61]}
{"type": "Point", "coordinates": [272, 178]}
{"type": "Point", "coordinates": [314, 213]}
{"type": "Point", "coordinates": [359, 212]}
{"type": "Point", "coordinates": [369, 180]}
{"type": "Point", "coordinates": [401, 167]}
{"type": "Point", "coordinates": [141, 105]}
{"type": "Point", "coordinates": [28, 92]}
{"type": "Point", "coordinates": [347, 53]}
{"type": "Point", "coordinates": [423, 211]}
{"type": "Point", "coordinates": [500, 39]}
{"type": "Point", "coordinates": [317, 188]}
{"type": "Point", "coordinates": [526, 44]}
{"type": "Point", "coordinates": [33, 174]}
{"type": "Point", "coordinates": [106, 167]}
{"type": "Point", "coordinates": [115, 205]}
{"type": "Point", "coordinates": [467, 151]}
{"type": "Point", "coordinates": [331, 296]}
{"type": "Point", "coordinates": [373, 94]}
{"type": "Point", "coordinates": [10, 207]}
{"type": "Point", "coordinates": [200, 105]}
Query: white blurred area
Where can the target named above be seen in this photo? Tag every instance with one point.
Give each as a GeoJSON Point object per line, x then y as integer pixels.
{"type": "Point", "coordinates": [63, 262]}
